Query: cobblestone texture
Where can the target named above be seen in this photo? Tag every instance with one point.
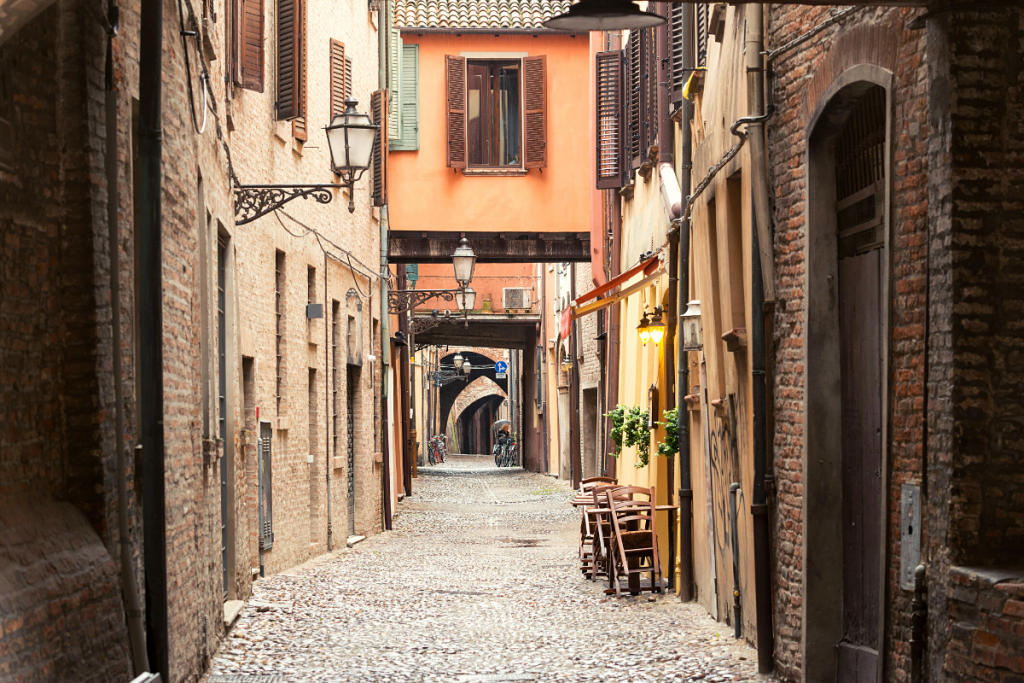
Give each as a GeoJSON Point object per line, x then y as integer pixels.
{"type": "Point", "coordinates": [478, 581]}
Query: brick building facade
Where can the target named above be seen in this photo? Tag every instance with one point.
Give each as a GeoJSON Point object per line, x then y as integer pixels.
{"type": "Point", "coordinates": [72, 384]}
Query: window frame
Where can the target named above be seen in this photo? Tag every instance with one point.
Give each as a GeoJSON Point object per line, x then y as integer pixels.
{"type": "Point", "coordinates": [495, 58]}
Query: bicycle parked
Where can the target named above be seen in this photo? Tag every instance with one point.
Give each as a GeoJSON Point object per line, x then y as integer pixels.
{"type": "Point", "coordinates": [436, 449]}
{"type": "Point", "coordinates": [504, 451]}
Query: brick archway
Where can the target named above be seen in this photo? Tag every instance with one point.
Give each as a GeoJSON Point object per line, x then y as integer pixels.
{"type": "Point", "coordinates": [472, 425]}
{"type": "Point", "coordinates": [482, 361]}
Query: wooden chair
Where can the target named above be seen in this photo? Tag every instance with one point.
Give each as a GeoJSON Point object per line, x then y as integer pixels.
{"type": "Point", "coordinates": [634, 549]}
{"type": "Point", "coordinates": [596, 532]}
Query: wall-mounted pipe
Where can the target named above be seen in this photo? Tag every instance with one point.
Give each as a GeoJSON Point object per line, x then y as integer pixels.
{"type": "Point", "coordinates": [762, 286]}
{"type": "Point", "coordinates": [683, 296]}
{"type": "Point", "coordinates": [737, 608]}
{"type": "Point", "coordinates": [151, 373]}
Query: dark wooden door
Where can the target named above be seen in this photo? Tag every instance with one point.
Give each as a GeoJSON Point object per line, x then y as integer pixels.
{"type": "Point", "coordinates": [860, 324]}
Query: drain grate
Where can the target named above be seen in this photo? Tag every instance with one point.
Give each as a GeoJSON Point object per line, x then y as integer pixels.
{"type": "Point", "coordinates": [245, 678]}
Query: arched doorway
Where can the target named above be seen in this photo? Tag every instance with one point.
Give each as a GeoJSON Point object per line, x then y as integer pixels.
{"type": "Point", "coordinates": [846, 374]}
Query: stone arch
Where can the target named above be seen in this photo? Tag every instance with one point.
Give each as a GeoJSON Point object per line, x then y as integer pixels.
{"type": "Point", "coordinates": [472, 424]}
{"type": "Point", "coordinates": [837, 94]}
{"type": "Point", "coordinates": [483, 366]}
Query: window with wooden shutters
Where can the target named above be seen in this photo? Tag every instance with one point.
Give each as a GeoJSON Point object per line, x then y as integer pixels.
{"type": "Point", "coordinates": [339, 78]}
{"type": "Point", "coordinates": [378, 107]}
{"type": "Point", "coordinates": [408, 101]}
{"type": "Point", "coordinates": [455, 121]}
{"type": "Point", "coordinates": [394, 76]}
{"type": "Point", "coordinates": [610, 119]}
{"type": "Point", "coordinates": [248, 44]}
{"type": "Point", "coordinates": [290, 62]}
{"type": "Point", "coordinates": [535, 102]}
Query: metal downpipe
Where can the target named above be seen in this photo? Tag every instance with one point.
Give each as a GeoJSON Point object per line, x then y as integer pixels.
{"type": "Point", "coordinates": [682, 369]}
{"type": "Point", "coordinates": [129, 584]}
{"type": "Point", "coordinates": [762, 288]}
{"type": "Point", "coordinates": [151, 374]}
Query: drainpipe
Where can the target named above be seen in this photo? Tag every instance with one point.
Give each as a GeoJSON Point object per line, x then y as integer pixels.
{"type": "Point", "coordinates": [543, 350]}
{"type": "Point", "coordinates": [763, 287]}
{"type": "Point", "coordinates": [682, 368]}
{"type": "Point", "coordinates": [129, 586]}
{"type": "Point", "coordinates": [327, 413]}
{"type": "Point", "coordinates": [403, 391]}
{"type": "Point", "coordinates": [736, 606]}
{"type": "Point", "coordinates": [385, 333]}
{"type": "Point", "coordinates": [151, 374]}
{"type": "Point", "coordinates": [614, 345]}
{"type": "Point", "coordinates": [575, 455]}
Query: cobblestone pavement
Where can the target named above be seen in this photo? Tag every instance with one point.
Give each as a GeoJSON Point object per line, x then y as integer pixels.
{"type": "Point", "coordinates": [477, 582]}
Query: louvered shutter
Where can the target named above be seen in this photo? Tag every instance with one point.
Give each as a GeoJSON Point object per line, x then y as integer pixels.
{"type": "Point", "coordinates": [378, 105]}
{"type": "Point", "coordinates": [675, 42]}
{"type": "Point", "coordinates": [394, 79]}
{"type": "Point", "coordinates": [289, 59]}
{"type": "Point", "coordinates": [535, 103]}
{"type": "Point", "coordinates": [249, 48]}
{"type": "Point", "coordinates": [635, 99]}
{"type": "Point", "coordinates": [702, 25]}
{"type": "Point", "coordinates": [610, 119]}
{"type": "Point", "coordinates": [455, 89]}
{"type": "Point", "coordinates": [408, 101]}
{"type": "Point", "coordinates": [651, 89]}
{"type": "Point", "coordinates": [348, 77]}
{"type": "Point", "coordinates": [339, 78]}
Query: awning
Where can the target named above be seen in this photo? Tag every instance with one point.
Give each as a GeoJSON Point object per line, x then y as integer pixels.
{"type": "Point", "coordinates": [652, 270]}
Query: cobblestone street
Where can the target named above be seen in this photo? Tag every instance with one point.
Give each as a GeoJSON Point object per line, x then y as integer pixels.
{"type": "Point", "coordinates": [478, 582]}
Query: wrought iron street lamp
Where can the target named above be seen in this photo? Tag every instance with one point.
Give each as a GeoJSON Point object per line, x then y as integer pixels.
{"type": "Point", "coordinates": [604, 15]}
{"type": "Point", "coordinates": [466, 299]}
{"type": "Point", "coordinates": [350, 138]}
{"type": "Point", "coordinates": [463, 259]}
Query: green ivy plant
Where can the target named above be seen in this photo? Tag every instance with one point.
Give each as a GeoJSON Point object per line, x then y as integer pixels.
{"type": "Point", "coordinates": [670, 446]}
{"type": "Point", "coordinates": [636, 434]}
{"type": "Point", "coordinates": [618, 418]}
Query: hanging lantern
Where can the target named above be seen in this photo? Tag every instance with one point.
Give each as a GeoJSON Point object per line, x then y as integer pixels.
{"type": "Point", "coordinates": [692, 332]}
{"type": "Point", "coordinates": [656, 327]}
{"type": "Point", "coordinates": [644, 329]}
{"type": "Point", "coordinates": [458, 361]}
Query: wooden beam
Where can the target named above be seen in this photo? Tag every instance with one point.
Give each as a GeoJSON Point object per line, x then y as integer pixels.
{"type": "Point", "coordinates": [408, 246]}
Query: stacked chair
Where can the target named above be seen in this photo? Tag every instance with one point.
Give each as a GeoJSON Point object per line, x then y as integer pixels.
{"type": "Point", "coordinates": [618, 536]}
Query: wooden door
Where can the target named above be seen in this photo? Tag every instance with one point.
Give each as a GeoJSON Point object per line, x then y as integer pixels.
{"type": "Point", "coordinates": [860, 220]}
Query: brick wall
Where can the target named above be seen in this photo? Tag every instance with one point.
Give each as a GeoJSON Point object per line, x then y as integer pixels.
{"type": "Point", "coordinates": [801, 78]}
{"type": "Point", "coordinates": [986, 612]}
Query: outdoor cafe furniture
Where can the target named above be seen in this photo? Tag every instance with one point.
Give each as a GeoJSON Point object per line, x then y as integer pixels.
{"type": "Point", "coordinates": [596, 533]}
{"type": "Point", "coordinates": [634, 550]}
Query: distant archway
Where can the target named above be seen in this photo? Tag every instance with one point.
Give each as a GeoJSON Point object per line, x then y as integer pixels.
{"type": "Point", "coordinates": [472, 425]}
{"type": "Point", "coordinates": [483, 366]}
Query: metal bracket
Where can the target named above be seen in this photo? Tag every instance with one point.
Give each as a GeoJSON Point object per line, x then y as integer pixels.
{"type": "Point", "coordinates": [402, 300]}
{"type": "Point", "coordinates": [254, 201]}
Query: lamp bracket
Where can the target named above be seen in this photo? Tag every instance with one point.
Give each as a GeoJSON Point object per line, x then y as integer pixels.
{"type": "Point", "coordinates": [402, 300]}
{"type": "Point", "coordinates": [254, 201]}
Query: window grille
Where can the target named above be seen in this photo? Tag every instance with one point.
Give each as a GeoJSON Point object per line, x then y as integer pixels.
{"type": "Point", "coordinates": [279, 302]}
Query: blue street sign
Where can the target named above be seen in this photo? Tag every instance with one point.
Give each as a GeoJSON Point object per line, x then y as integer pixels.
{"type": "Point", "coordinates": [501, 366]}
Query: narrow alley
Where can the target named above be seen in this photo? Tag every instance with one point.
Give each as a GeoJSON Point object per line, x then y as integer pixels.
{"type": "Point", "coordinates": [479, 581]}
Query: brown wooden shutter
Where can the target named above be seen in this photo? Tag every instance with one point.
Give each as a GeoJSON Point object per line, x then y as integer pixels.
{"type": "Point", "coordinates": [610, 119]}
{"type": "Point", "coordinates": [634, 99]}
{"type": "Point", "coordinates": [290, 36]}
{"type": "Point", "coordinates": [378, 105]}
{"type": "Point", "coordinates": [536, 108]}
{"type": "Point", "coordinates": [455, 83]}
{"type": "Point", "coordinates": [702, 25]}
{"type": "Point", "coordinates": [339, 75]}
{"type": "Point", "coordinates": [249, 47]}
{"type": "Point", "coordinates": [675, 49]}
{"type": "Point", "coordinates": [651, 87]}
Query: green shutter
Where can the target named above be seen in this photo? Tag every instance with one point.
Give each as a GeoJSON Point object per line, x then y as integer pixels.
{"type": "Point", "coordinates": [409, 100]}
{"type": "Point", "coordinates": [394, 86]}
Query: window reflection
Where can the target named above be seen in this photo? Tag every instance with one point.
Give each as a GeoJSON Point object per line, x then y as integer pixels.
{"type": "Point", "coordinates": [493, 116]}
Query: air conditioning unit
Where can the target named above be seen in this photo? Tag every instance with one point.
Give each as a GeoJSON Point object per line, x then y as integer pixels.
{"type": "Point", "coordinates": [515, 298]}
